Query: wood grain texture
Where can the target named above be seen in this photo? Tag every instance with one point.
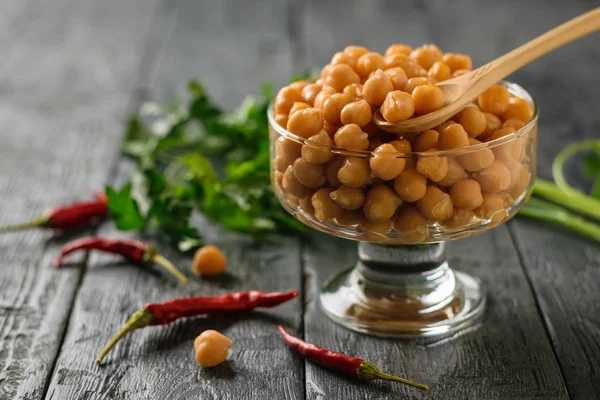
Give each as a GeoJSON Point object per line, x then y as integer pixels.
{"type": "Point", "coordinates": [66, 71]}
{"type": "Point", "coordinates": [563, 269]}
{"type": "Point", "coordinates": [158, 362]}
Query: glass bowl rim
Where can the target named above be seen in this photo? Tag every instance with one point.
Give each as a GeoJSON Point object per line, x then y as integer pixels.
{"type": "Point", "coordinates": [512, 88]}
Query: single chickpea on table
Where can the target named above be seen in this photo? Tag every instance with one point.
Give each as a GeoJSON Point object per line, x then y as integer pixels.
{"type": "Point", "coordinates": [340, 171]}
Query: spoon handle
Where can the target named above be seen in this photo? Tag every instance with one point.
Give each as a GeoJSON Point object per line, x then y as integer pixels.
{"type": "Point", "coordinates": [499, 68]}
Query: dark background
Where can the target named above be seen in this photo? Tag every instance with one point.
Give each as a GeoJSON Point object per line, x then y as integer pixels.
{"type": "Point", "coordinates": [70, 72]}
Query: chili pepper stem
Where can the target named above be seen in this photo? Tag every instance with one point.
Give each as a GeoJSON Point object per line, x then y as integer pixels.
{"type": "Point", "coordinates": [140, 319]}
{"type": "Point", "coordinates": [36, 223]}
{"type": "Point", "coordinates": [168, 265]}
{"type": "Point", "coordinates": [368, 371]}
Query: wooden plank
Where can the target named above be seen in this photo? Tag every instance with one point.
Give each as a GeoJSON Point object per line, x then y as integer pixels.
{"type": "Point", "coordinates": [564, 269]}
{"type": "Point", "coordinates": [66, 70]}
{"type": "Point", "coordinates": [510, 355]}
{"type": "Point", "coordinates": [230, 47]}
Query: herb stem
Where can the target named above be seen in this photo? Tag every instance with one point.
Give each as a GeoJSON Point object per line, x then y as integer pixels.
{"type": "Point", "coordinates": [564, 155]}
{"type": "Point", "coordinates": [569, 198]}
{"type": "Point", "coordinates": [546, 211]}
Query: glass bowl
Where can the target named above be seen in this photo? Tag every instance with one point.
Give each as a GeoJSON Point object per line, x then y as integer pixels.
{"type": "Point", "coordinates": [401, 285]}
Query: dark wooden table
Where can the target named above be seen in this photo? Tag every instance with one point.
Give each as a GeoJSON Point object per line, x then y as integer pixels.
{"type": "Point", "coordinates": [71, 70]}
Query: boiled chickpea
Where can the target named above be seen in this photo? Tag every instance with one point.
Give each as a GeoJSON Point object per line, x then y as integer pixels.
{"type": "Point", "coordinates": [493, 124]}
{"type": "Point", "coordinates": [501, 133]}
{"type": "Point", "coordinates": [453, 137]}
{"type": "Point", "coordinates": [318, 153]}
{"type": "Point", "coordinates": [460, 218]}
{"type": "Point", "coordinates": [343, 58]}
{"type": "Point", "coordinates": [358, 112]}
{"type": "Point", "coordinates": [325, 93]}
{"type": "Point", "coordinates": [354, 172]}
{"type": "Point", "coordinates": [435, 205]}
{"type": "Point", "coordinates": [310, 175]}
{"type": "Point", "coordinates": [211, 348]}
{"type": "Point", "coordinates": [381, 203]}
{"type": "Point", "coordinates": [375, 231]}
{"type": "Point", "coordinates": [426, 140]}
{"type": "Point", "coordinates": [209, 260]}
{"type": "Point", "coordinates": [350, 218]}
{"type": "Point", "coordinates": [355, 52]}
{"type": "Point", "coordinates": [412, 83]}
{"type": "Point", "coordinates": [385, 163]}
{"type": "Point", "coordinates": [440, 71]}
{"type": "Point", "coordinates": [494, 100]}
{"type": "Point", "coordinates": [411, 223]}
{"type": "Point", "coordinates": [455, 173]}
{"type": "Point", "coordinates": [410, 66]}
{"type": "Point", "coordinates": [340, 76]}
{"type": "Point", "coordinates": [376, 88]}
{"type": "Point", "coordinates": [285, 99]}
{"type": "Point", "coordinates": [374, 142]}
{"type": "Point", "coordinates": [348, 198]}
{"type": "Point", "coordinates": [281, 163]}
{"type": "Point", "coordinates": [331, 172]}
{"type": "Point", "coordinates": [458, 61]}
{"type": "Point", "coordinates": [354, 90]}
{"type": "Point", "coordinates": [325, 71]}
{"type": "Point", "coordinates": [325, 208]}
{"type": "Point", "coordinates": [410, 185]}
{"type": "Point", "coordinates": [281, 119]}
{"type": "Point", "coordinates": [495, 178]}
{"type": "Point", "coordinates": [427, 98]}
{"type": "Point", "coordinates": [305, 123]}
{"type": "Point", "coordinates": [287, 148]}
{"type": "Point", "coordinates": [351, 137]}
{"type": "Point", "coordinates": [399, 49]}
{"type": "Point", "coordinates": [510, 151]}
{"type": "Point", "coordinates": [310, 92]}
{"type": "Point", "coordinates": [402, 145]}
{"type": "Point", "coordinates": [299, 105]}
{"type": "Point", "coordinates": [473, 121]}
{"type": "Point", "coordinates": [466, 194]}
{"type": "Point", "coordinates": [476, 160]}
{"type": "Point", "coordinates": [332, 107]}
{"type": "Point", "coordinates": [440, 128]}
{"type": "Point", "coordinates": [434, 168]}
{"type": "Point", "coordinates": [520, 178]}
{"type": "Point", "coordinates": [398, 77]}
{"type": "Point", "coordinates": [492, 208]}
{"type": "Point", "coordinates": [292, 185]}
{"type": "Point", "coordinates": [398, 106]}
{"type": "Point", "coordinates": [513, 123]}
{"type": "Point", "coordinates": [277, 179]}
{"type": "Point", "coordinates": [426, 55]}
{"type": "Point", "coordinates": [299, 85]}
{"type": "Point", "coordinates": [518, 108]}
{"type": "Point", "coordinates": [306, 206]}
{"type": "Point", "coordinates": [331, 129]}
{"type": "Point", "coordinates": [368, 63]}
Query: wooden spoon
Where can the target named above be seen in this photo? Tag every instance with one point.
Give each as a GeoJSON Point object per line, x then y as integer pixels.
{"type": "Point", "coordinates": [460, 91]}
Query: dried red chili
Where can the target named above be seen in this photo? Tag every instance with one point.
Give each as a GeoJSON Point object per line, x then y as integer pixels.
{"type": "Point", "coordinates": [352, 367]}
{"type": "Point", "coordinates": [165, 313]}
{"type": "Point", "coordinates": [134, 250]}
{"type": "Point", "coordinates": [67, 217]}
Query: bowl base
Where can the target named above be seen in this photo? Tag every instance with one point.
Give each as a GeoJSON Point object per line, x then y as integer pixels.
{"type": "Point", "coordinates": [401, 300]}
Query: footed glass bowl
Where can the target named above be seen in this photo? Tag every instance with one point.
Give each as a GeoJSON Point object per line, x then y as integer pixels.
{"type": "Point", "coordinates": [401, 284]}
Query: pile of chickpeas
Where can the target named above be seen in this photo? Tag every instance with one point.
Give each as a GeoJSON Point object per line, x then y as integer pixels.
{"type": "Point", "coordinates": [338, 172]}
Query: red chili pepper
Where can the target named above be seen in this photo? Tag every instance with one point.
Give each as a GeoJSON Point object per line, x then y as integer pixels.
{"type": "Point", "coordinates": [352, 367]}
{"type": "Point", "coordinates": [165, 313]}
{"type": "Point", "coordinates": [67, 217]}
{"type": "Point", "coordinates": [134, 250]}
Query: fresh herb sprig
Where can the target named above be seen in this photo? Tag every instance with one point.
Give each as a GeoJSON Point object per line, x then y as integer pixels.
{"type": "Point", "coordinates": [195, 157]}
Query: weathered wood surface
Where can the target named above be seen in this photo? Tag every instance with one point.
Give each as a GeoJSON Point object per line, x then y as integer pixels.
{"type": "Point", "coordinates": [69, 71]}
{"type": "Point", "coordinates": [66, 75]}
